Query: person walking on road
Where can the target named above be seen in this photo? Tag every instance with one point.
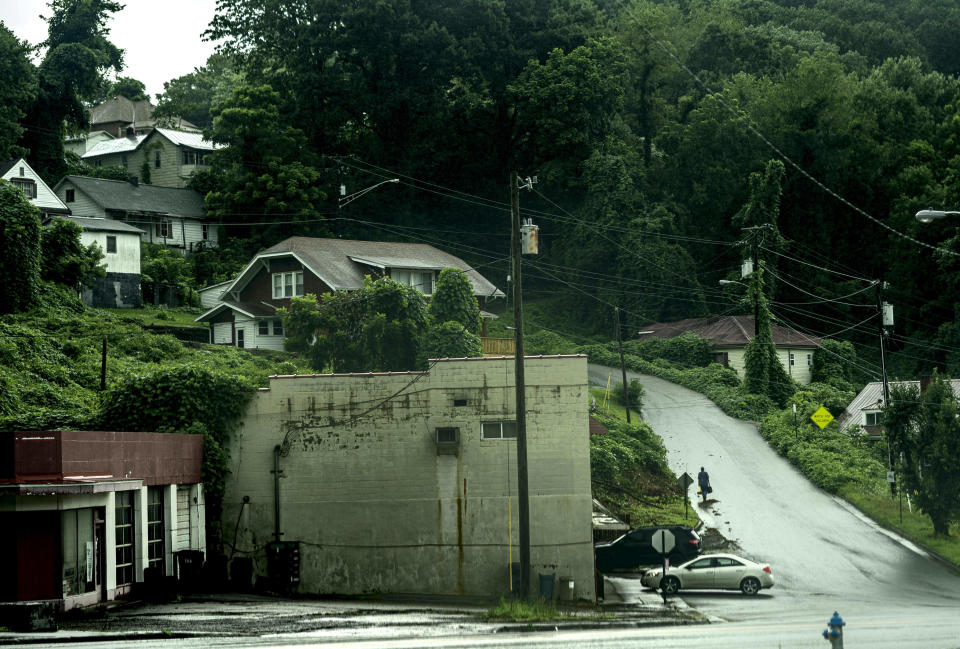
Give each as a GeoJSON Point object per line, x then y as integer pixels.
{"type": "Point", "coordinates": [703, 481]}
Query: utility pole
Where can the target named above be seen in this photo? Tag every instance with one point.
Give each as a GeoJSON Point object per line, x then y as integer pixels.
{"type": "Point", "coordinates": [755, 253]}
{"type": "Point", "coordinates": [522, 488]}
{"type": "Point", "coordinates": [881, 322]}
{"type": "Point", "coordinates": [623, 366]}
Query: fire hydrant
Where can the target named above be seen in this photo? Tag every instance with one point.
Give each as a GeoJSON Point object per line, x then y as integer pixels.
{"type": "Point", "coordinates": [835, 631]}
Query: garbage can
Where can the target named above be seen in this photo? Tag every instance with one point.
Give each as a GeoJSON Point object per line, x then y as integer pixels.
{"type": "Point", "coordinates": [546, 586]}
{"type": "Point", "coordinates": [565, 593]}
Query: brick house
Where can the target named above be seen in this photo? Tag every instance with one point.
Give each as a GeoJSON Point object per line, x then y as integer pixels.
{"type": "Point", "coordinates": [405, 482]}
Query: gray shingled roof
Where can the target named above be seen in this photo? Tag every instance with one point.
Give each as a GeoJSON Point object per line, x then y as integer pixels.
{"type": "Point", "coordinates": [126, 197]}
{"type": "Point", "coordinates": [335, 261]}
{"type": "Point", "coordinates": [103, 225]}
{"type": "Point", "coordinates": [729, 331]}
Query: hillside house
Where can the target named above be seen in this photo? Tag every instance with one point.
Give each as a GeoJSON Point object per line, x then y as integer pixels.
{"type": "Point", "coordinates": [86, 514]}
{"type": "Point", "coordinates": [24, 178]}
{"type": "Point", "coordinates": [729, 336]}
{"type": "Point", "coordinates": [865, 410]}
{"type": "Point", "coordinates": [118, 115]}
{"type": "Point", "coordinates": [169, 216]}
{"type": "Point", "coordinates": [405, 482]}
{"type": "Point", "coordinates": [171, 156]}
{"type": "Point", "coordinates": [246, 315]}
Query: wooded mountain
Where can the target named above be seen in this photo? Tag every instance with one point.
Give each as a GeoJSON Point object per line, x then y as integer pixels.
{"type": "Point", "coordinates": [651, 127]}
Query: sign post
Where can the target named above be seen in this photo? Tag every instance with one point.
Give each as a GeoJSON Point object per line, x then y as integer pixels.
{"type": "Point", "coordinates": [663, 541]}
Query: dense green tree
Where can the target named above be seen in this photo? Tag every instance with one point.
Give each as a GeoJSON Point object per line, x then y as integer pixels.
{"type": "Point", "coordinates": [834, 363]}
{"type": "Point", "coordinates": [192, 95]}
{"type": "Point", "coordinates": [128, 87]}
{"type": "Point", "coordinates": [453, 300]}
{"type": "Point", "coordinates": [377, 328]}
{"type": "Point", "coordinates": [16, 93]}
{"type": "Point", "coordinates": [262, 174]}
{"type": "Point", "coordinates": [65, 260]}
{"type": "Point", "coordinates": [20, 243]}
{"type": "Point", "coordinates": [450, 339]}
{"type": "Point", "coordinates": [166, 273]}
{"type": "Point", "coordinates": [923, 431]}
{"type": "Point", "coordinates": [78, 55]}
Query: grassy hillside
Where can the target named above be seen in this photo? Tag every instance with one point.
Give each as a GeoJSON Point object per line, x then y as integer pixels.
{"type": "Point", "coordinates": [50, 359]}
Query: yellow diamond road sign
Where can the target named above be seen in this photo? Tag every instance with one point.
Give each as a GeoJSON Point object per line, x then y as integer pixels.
{"type": "Point", "coordinates": [821, 417]}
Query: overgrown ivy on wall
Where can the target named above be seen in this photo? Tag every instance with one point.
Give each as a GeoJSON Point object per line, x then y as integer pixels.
{"type": "Point", "coordinates": [183, 399]}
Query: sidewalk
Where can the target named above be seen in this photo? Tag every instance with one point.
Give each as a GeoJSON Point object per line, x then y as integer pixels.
{"type": "Point", "coordinates": [252, 615]}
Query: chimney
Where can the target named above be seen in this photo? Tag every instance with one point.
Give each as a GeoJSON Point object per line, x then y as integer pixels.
{"type": "Point", "coordinates": [134, 181]}
{"type": "Point", "coordinates": [131, 133]}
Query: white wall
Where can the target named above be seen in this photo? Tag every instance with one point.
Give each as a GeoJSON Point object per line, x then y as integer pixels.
{"type": "Point", "coordinates": [799, 372]}
{"type": "Point", "coordinates": [127, 257]}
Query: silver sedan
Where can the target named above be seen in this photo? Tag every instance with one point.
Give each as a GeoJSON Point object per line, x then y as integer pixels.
{"type": "Point", "coordinates": [713, 572]}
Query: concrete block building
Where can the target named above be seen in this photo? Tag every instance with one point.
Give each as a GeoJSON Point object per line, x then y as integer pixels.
{"type": "Point", "coordinates": [406, 482]}
{"type": "Point", "coordinates": [85, 514]}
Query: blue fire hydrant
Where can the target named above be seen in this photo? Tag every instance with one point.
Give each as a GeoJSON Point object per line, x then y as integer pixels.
{"type": "Point", "coordinates": [834, 632]}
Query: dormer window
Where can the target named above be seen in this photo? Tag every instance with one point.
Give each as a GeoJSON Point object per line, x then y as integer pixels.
{"type": "Point", "coordinates": [418, 279]}
{"type": "Point", "coordinates": [872, 418]}
{"type": "Point", "coordinates": [288, 284]}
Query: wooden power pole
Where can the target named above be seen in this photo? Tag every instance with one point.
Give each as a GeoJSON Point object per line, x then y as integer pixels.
{"type": "Point", "coordinates": [522, 488]}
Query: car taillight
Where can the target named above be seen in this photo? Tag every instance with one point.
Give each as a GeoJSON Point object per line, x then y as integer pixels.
{"type": "Point", "coordinates": [767, 570]}
{"type": "Point", "coordinates": [695, 541]}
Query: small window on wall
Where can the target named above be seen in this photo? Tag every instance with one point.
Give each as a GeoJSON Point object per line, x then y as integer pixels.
{"type": "Point", "coordinates": [871, 419]}
{"type": "Point", "coordinates": [791, 359]}
{"type": "Point", "coordinates": [499, 430]}
{"type": "Point", "coordinates": [278, 327]}
{"type": "Point", "coordinates": [71, 196]}
{"type": "Point", "coordinates": [111, 244]}
{"type": "Point", "coordinates": [156, 159]}
{"type": "Point", "coordinates": [164, 228]}
{"type": "Point", "coordinates": [263, 327]}
{"type": "Point", "coordinates": [205, 231]}
{"type": "Point", "coordinates": [809, 360]}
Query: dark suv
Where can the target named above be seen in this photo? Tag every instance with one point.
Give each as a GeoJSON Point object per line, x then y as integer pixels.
{"type": "Point", "coordinates": [635, 548]}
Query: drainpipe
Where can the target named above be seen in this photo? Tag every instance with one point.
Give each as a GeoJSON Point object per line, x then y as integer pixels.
{"type": "Point", "coordinates": [276, 493]}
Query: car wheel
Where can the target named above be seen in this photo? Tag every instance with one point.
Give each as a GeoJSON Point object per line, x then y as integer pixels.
{"type": "Point", "coordinates": [750, 586]}
{"type": "Point", "coordinates": [670, 585]}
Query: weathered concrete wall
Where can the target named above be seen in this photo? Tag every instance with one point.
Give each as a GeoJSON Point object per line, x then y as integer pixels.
{"type": "Point", "coordinates": [377, 509]}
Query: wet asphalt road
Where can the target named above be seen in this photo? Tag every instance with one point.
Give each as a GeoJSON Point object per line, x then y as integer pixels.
{"type": "Point", "coordinates": [824, 554]}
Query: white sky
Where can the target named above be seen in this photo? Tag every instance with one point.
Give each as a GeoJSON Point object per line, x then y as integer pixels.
{"type": "Point", "coordinates": [160, 38]}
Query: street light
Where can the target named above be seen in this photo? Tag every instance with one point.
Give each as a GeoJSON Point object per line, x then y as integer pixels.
{"type": "Point", "coordinates": [929, 216]}
{"type": "Point", "coordinates": [724, 282]}
{"type": "Point", "coordinates": [343, 200]}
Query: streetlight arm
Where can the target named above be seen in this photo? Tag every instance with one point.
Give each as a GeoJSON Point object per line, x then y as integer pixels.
{"type": "Point", "coordinates": [355, 195]}
{"type": "Point", "coordinates": [929, 216]}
